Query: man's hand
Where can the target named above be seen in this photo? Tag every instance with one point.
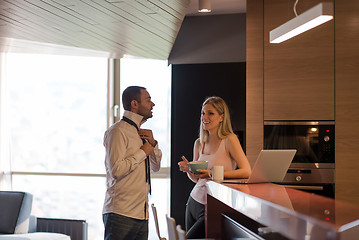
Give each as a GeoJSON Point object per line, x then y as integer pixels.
{"type": "Point", "coordinates": [147, 148]}
{"type": "Point", "coordinates": [148, 136]}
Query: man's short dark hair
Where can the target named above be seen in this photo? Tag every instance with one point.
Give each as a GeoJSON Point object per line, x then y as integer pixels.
{"type": "Point", "coordinates": [129, 94]}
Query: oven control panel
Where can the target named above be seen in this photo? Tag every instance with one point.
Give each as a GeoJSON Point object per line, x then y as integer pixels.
{"type": "Point", "coordinates": [305, 176]}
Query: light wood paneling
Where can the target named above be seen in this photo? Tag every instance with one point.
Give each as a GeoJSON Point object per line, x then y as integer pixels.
{"type": "Point", "coordinates": [143, 28]}
{"type": "Point", "coordinates": [347, 100]}
{"type": "Point", "coordinates": [254, 105]}
{"type": "Point", "coordinates": [298, 73]}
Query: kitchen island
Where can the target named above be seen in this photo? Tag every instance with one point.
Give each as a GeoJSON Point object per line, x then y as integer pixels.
{"type": "Point", "coordinates": [271, 211]}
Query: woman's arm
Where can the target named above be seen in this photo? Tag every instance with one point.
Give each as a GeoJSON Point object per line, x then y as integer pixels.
{"type": "Point", "coordinates": [196, 149]}
{"type": "Point", "coordinates": [234, 148]}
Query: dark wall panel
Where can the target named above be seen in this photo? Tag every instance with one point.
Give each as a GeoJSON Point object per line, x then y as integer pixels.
{"type": "Point", "coordinates": [210, 39]}
{"type": "Point", "coordinates": [191, 84]}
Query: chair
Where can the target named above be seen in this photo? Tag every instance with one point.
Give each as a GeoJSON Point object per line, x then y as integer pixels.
{"type": "Point", "coordinates": [171, 226]}
{"type": "Point", "coordinates": [154, 211]}
{"type": "Point", "coordinates": [181, 233]}
{"type": "Point", "coordinates": [16, 221]}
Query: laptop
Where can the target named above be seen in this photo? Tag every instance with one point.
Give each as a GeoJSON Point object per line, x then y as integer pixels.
{"type": "Point", "coordinates": [270, 166]}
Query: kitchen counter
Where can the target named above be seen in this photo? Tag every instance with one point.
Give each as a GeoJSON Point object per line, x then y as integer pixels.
{"type": "Point", "coordinates": [275, 212]}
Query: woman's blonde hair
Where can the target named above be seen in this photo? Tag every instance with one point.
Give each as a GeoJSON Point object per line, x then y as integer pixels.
{"type": "Point", "coordinates": [225, 127]}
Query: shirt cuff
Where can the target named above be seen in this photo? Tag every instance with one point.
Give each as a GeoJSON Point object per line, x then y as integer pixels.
{"type": "Point", "coordinates": [140, 155]}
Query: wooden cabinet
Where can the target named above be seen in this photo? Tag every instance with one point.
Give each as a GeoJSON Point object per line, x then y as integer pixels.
{"type": "Point", "coordinates": [254, 85]}
{"type": "Point", "coordinates": [294, 80]}
{"type": "Point", "coordinates": [347, 100]}
{"type": "Point", "coordinates": [298, 73]}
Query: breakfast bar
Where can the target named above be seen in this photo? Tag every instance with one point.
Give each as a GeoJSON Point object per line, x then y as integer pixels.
{"type": "Point", "coordinates": [271, 211]}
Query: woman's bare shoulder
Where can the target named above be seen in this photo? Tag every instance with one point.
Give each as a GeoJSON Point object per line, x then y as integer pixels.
{"type": "Point", "coordinates": [197, 143]}
{"type": "Point", "coordinates": [231, 140]}
{"type": "Point", "coordinates": [231, 137]}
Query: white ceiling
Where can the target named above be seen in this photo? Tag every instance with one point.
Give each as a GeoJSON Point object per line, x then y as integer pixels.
{"type": "Point", "coordinates": [111, 28]}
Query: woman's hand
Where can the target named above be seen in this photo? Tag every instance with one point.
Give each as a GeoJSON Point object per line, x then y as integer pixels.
{"type": "Point", "coordinates": [183, 165]}
{"type": "Point", "coordinates": [203, 173]}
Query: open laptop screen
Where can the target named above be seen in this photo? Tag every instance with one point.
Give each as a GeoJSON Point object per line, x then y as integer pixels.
{"type": "Point", "coordinates": [270, 166]}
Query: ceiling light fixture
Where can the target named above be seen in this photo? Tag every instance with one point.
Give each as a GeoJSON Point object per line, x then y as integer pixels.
{"type": "Point", "coordinates": [204, 5]}
{"type": "Point", "coordinates": [312, 18]}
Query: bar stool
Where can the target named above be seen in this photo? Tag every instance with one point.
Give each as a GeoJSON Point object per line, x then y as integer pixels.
{"type": "Point", "coordinates": [181, 233]}
{"type": "Point", "coordinates": [171, 226]}
{"type": "Point", "coordinates": [154, 211]}
{"type": "Point", "coordinates": [176, 232]}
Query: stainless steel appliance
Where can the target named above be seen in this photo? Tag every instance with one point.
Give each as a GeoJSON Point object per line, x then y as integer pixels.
{"type": "Point", "coordinates": [313, 166]}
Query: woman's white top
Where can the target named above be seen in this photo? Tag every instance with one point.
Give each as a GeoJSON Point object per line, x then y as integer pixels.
{"type": "Point", "coordinates": [219, 158]}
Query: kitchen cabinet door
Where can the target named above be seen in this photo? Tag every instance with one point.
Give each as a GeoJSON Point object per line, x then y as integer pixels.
{"type": "Point", "coordinates": [347, 101]}
{"type": "Point", "coordinates": [298, 73]}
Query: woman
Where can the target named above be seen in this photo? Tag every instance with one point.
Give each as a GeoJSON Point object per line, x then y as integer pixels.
{"type": "Point", "coordinates": [218, 145]}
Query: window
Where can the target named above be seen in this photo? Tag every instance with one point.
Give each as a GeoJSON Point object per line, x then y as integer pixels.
{"type": "Point", "coordinates": [56, 110]}
{"type": "Point", "coordinates": [53, 113]}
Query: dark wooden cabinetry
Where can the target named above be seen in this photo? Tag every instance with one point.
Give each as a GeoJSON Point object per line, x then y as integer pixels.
{"type": "Point", "coordinates": [311, 77]}
{"type": "Point", "coordinates": [254, 85]}
{"type": "Point", "coordinates": [347, 100]}
{"type": "Point", "coordinates": [298, 73]}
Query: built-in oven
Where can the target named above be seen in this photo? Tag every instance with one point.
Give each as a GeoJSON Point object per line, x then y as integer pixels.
{"type": "Point", "coordinates": [313, 166]}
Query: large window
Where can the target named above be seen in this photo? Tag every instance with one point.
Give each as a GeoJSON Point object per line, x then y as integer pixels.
{"type": "Point", "coordinates": [56, 112]}
{"type": "Point", "coordinates": [53, 115]}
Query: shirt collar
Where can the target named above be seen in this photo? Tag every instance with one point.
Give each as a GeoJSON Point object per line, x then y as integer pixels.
{"type": "Point", "coordinates": [136, 118]}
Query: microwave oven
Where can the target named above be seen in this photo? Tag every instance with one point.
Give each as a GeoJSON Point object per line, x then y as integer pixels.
{"type": "Point", "coordinates": [314, 141]}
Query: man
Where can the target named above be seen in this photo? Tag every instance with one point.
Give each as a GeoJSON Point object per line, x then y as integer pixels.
{"type": "Point", "coordinates": [130, 152]}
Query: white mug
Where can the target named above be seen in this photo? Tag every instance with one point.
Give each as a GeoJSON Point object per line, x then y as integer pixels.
{"type": "Point", "coordinates": [218, 173]}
